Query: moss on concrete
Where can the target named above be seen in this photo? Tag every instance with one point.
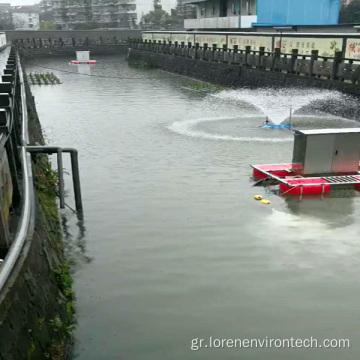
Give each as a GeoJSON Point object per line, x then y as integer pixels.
{"type": "Point", "coordinates": [60, 325]}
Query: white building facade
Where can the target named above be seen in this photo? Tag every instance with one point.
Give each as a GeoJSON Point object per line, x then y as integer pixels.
{"type": "Point", "coordinates": [26, 18]}
{"type": "Point", "coordinates": [223, 14]}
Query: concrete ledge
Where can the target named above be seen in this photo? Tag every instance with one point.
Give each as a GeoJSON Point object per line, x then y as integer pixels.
{"type": "Point", "coordinates": [70, 51]}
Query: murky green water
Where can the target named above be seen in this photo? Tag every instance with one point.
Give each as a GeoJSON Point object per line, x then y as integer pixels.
{"type": "Point", "coordinates": [174, 246]}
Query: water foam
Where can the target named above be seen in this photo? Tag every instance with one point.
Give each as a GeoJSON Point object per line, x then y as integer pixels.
{"type": "Point", "coordinates": [187, 128]}
{"type": "Point", "coordinates": [276, 103]}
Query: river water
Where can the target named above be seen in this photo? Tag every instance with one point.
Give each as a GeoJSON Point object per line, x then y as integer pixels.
{"type": "Point", "coordinates": [173, 245]}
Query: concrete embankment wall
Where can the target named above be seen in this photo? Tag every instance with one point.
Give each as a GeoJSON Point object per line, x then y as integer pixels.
{"type": "Point", "coordinates": [234, 75]}
{"type": "Point", "coordinates": [77, 34]}
{"type": "Point", "coordinates": [34, 53]}
{"type": "Point", "coordinates": [36, 302]}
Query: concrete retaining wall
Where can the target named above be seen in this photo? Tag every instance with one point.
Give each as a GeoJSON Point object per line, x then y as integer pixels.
{"type": "Point", "coordinates": [234, 75]}
{"type": "Point", "coordinates": [92, 34]}
{"type": "Point", "coordinates": [32, 53]}
{"type": "Point", "coordinates": [34, 311]}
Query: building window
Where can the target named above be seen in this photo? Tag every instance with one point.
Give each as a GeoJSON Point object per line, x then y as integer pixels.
{"type": "Point", "coordinates": [31, 26]}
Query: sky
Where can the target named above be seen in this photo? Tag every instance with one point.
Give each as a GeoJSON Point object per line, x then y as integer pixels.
{"type": "Point", "coordinates": [141, 5]}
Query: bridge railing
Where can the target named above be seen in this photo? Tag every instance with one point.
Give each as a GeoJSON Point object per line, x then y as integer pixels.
{"type": "Point", "coordinates": [15, 167]}
{"type": "Point", "coordinates": [322, 67]}
{"type": "Point", "coordinates": [39, 43]}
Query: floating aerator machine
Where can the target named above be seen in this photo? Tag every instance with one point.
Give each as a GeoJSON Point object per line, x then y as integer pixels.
{"type": "Point", "coordinates": [322, 159]}
{"type": "Point", "coordinates": [83, 57]}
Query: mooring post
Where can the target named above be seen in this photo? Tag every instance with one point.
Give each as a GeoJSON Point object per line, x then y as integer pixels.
{"type": "Point", "coordinates": [188, 49]}
{"type": "Point", "coordinates": [76, 180]}
{"type": "Point", "coordinates": [261, 56]}
{"type": "Point", "coordinates": [61, 178]}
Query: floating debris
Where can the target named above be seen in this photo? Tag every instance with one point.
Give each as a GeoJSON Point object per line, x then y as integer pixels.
{"type": "Point", "coordinates": [43, 79]}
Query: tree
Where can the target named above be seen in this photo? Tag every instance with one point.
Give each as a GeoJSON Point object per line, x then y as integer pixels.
{"type": "Point", "coordinates": [157, 18]}
{"type": "Point", "coordinates": [47, 26]}
{"type": "Point", "coordinates": [89, 25]}
{"type": "Point", "coordinates": [350, 14]}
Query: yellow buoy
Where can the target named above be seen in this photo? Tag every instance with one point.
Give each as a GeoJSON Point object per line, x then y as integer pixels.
{"type": "Point", "coordinates": [266, 202]}
{"type": "Point", "coordinates": [258, 197]}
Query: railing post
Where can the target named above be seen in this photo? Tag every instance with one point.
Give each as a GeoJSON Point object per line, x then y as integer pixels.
{"type": "Point", "coordinates": [337, 62]}
{"type": "Point", "coordinates": [182, 52]}
{"type": "Point", "coordinates": [314, 57]}
{"type": "Point", "coordinates": [86, 41]}
{"type": "Point", "coordinates": [277, 55]}
{"type": "Point", "coordinates": [73, 42]}
{"type": "Point", "coordinates": [261, 55]}
{"type": "Point", "coordinates": [196, 50]}
{"type": "Point", "coordinates": [247, 53]}
{"type": "Point", "coordinates": [204, 51]}
{"type": "Point", "coordinates": [235, 51]}
{"type": "Point", "coordinates": [214, 46]}
{"type": "Point", "coordinates": [188, 49]}
{"type": "Point", "coordinates": [224, 50]}
{"type": "Point", "coordinates": [76, 180]}
{"type": "Point", "coordinates": [294, 56]}
{"type": "Point", "coordinates": [101, 41]}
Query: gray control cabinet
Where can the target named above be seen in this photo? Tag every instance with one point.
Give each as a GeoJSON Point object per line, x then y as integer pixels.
{"type": "Point", "coordinates": [326, 151]}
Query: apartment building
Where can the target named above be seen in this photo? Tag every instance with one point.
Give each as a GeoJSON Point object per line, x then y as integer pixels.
{"type": "Point", "coordinates": [5, 16]}
{"type": "Point", "coordinates": [68, 14]}
{"type": "Point", "coordinates": [26, 17]}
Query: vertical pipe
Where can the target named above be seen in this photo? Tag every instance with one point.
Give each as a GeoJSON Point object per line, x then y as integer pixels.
{"type": "Point", "coordinates": [61, 178]}
{"type": "Point", "coordinates": [76, 180]}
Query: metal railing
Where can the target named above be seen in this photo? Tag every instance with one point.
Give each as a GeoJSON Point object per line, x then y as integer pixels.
{"type": "Point", "coordinates": [26, 223]}
{"type": "Point", "coordinates": [39, 43]}
{"type": "Point", "coordinates": [325, 67]}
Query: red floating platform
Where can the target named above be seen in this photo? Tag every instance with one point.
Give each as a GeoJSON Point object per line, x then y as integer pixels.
{"type": "Point", "coordinates": [90, 62]}
{"type": "Point", "coordinates": [291, 182]}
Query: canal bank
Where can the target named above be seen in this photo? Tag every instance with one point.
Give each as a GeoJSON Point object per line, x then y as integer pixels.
{"type": "Point", "coordinates": [36, 301]}
{"type": "Point", "coordinates": [175, 247]}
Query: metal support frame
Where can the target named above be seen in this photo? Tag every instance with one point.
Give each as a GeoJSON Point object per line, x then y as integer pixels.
{"type": "Point", "coordinates": [74, 167]}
